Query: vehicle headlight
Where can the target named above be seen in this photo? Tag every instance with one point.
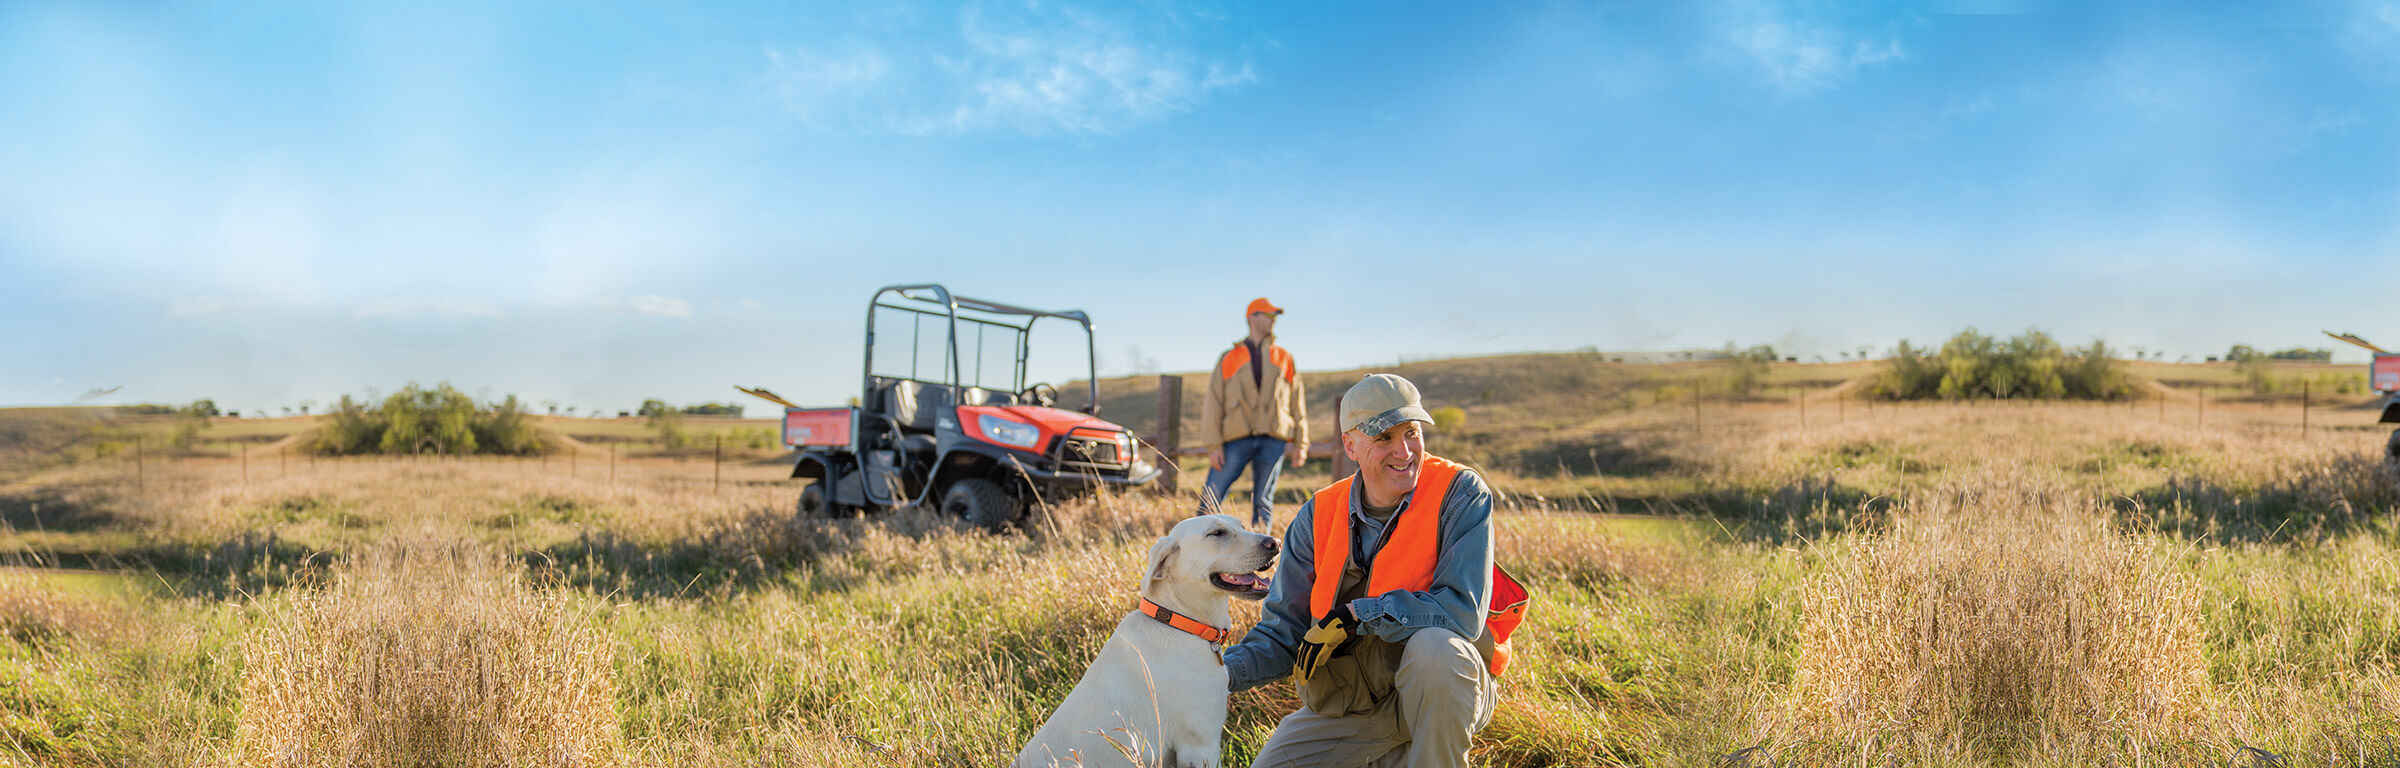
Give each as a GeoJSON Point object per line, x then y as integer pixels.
{"type": "Point", "coordinates": [1008, 431]}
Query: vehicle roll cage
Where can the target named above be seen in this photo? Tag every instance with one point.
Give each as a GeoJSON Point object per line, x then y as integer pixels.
{"type": "Point", "coordinates": [923, 300]}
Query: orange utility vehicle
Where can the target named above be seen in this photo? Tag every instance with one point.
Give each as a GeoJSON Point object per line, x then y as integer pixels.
{"type": "Point", "coordinates": [963, 429]}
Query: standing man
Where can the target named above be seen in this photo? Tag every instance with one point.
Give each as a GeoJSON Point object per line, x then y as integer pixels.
{"type": "Point", "coordinates": [1254, 409]}
{"type": "Point", "coordinates": [1378, 608]}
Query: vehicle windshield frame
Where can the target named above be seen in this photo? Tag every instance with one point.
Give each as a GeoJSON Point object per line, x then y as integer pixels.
{"type": "Point", "coordinates": [924, 300]}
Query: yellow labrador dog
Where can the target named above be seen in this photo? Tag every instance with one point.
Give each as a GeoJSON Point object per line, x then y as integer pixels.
{"type": "Point", "coordinates": [1158, 689]}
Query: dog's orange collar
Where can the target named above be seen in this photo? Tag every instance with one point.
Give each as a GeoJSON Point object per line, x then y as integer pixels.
{"type": "Point", "coordinates": [1189, 625]}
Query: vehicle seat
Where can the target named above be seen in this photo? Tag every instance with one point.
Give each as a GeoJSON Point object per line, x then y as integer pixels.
{"type": "Point", "coordinates": [915, 406]}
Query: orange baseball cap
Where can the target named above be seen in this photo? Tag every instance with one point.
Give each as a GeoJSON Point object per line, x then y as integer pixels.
{"type": "Point", "coordinates": [1261, 304]}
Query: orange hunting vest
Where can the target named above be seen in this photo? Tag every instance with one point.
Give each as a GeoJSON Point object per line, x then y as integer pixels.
{"type": "Point", "coordinates": [1406, 560]}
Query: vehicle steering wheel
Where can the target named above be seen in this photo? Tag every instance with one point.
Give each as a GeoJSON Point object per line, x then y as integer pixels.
{"type": "Point", "coordinates": [1042, 394]}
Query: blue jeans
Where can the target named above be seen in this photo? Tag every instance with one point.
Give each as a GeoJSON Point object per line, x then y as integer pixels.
{"type": "Point", "coordinates": [1263, 454]}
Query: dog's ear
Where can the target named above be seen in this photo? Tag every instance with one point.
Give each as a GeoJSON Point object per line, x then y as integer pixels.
{"type": "Point", "coordinates": [1161, 555]}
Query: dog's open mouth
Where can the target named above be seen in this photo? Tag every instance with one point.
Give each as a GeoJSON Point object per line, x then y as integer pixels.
{"type": "Point", "coordinates": [1247, 586]}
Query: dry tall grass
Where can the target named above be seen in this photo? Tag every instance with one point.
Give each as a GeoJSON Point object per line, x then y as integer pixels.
{"type": "Point", "coordinates": [1998, 625]}
{"type": "Point", "coordinates": [428, 654]}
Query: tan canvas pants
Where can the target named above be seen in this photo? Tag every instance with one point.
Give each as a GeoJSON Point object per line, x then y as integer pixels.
{"type": "Point", "coordinates": [1441, 697]}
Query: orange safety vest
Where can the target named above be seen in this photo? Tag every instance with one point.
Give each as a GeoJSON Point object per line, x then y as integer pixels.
{"type": "Point", "coordinates": [1406, 561]}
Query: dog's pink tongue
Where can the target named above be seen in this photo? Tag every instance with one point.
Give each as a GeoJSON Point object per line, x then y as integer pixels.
{"type": "Point", "coordinates": [1239, 579]}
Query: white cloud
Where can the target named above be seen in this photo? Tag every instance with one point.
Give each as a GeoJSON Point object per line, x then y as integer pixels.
{"type": "Point", "coordinates": [660, 306]}
{"type": "Point", "coordinates": [1800, 56]}
{"type": "Point", "coordinates": [1037, 70]}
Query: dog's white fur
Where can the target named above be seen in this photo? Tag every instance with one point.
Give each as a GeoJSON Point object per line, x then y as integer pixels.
{"type": "Point", "coordinates": [1155, 689]}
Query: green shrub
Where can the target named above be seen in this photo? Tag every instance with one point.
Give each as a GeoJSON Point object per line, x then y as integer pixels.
{"type": "Point", "coordinates": [440, 419]}
{"type": "Point", "coordinates": [428, 421]}
{"type": "Point", "coordinates": [668, 424]}
{"type": "Point", "coordinates": [187, 434]}
{"type": "Point", "coordinates": [1748, 369]}
{"type": "Point", "coordinates": [2032, 365]}
{"type": "Point", "coordinates": [1449, 417]}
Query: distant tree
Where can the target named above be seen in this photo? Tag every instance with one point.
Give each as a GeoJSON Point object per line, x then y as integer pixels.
{"type": "Point", "coordinates": [713, 409]}
{"type": "Point", "coordinates": [652, 407]}
{"type": "Point", "coordinates": [202, 409]}
{"type": "Point", "coordinates": [2303, 354]}
{"type": "Point", "coordinates": [2239, 353]}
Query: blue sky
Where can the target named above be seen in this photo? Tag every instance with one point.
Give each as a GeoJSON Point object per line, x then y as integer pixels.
{"type": "Point", "coordinates": [593, 203]}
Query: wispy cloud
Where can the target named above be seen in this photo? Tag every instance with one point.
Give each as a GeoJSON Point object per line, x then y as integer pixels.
{"type": "Point", "coordinates": [2372, 30]}
{"type": "Point", "coordinates": [661, 306]}
{"type": "Point", "coordinates": [1798, 55]}
{"type": "Point", "coordinates": [1036, 70]}
{"type": "Point", "coordinates": [813, 80]}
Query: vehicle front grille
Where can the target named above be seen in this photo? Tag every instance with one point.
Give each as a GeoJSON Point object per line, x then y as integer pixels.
{"type": "Point", "coordinates": [1089, 453]}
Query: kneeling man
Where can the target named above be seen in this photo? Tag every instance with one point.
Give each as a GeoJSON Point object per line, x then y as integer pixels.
{"type": "Point", "coordinates": [1378, 604]}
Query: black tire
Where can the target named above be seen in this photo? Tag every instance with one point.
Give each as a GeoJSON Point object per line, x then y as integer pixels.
{"type": "Point", "coordinates": [982, 502]}
{"type": "Point", "coordinates": [812, 502]}
{"type": "Point", "coordinates": [2391, 458]}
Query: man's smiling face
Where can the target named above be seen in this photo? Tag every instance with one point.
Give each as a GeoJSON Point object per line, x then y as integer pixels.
{"type": "Point", "coordinates": [1389, 462]}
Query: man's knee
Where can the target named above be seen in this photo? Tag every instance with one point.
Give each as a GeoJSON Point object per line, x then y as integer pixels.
{"type": "Point", "coordinates": [1439, 657]}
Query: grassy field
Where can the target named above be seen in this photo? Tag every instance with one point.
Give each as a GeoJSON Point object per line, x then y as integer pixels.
{"type": "Point", "coordinates": [1985, 584]}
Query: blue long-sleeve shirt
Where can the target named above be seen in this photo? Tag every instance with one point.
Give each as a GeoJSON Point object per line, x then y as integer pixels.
{"type": "Point", "coordinates": [1462, 583]}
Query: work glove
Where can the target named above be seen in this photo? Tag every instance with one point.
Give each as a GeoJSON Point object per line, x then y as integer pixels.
{"type": "Point", "coordinates": [1318, 645]}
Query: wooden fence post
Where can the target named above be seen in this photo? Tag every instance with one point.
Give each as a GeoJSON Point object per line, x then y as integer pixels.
{"type": "Point", "coordinates": [2304, 409]}
{"type": "Point", "coordinates": [716, 483]}
{"type": "Point", "coordinates": [1169, 433]}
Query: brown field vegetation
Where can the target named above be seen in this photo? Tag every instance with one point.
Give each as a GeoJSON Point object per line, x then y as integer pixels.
{"type": "Point", "coordinates": [1982, 584]}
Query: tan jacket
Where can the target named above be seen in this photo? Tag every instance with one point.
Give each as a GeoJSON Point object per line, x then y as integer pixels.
{"type": "Point", "coordinates": [1236, 408]}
